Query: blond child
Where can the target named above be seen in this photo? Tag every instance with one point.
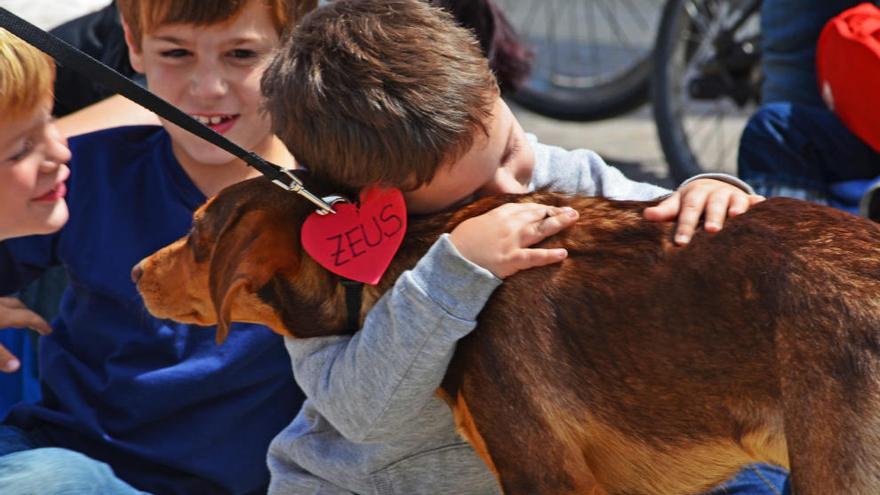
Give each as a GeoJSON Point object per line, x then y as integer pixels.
{"type": "Point", "coordinates": [33, 166]}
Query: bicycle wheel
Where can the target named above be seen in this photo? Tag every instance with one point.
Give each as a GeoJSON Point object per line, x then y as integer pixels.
{"type": "Point", "coordinates": [592, 57]}
{"type": "Point", "coordinates": [705, 82]}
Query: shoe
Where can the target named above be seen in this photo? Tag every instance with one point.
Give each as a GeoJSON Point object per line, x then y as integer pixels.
{"type": "Point", "coordinates": [869, 206]}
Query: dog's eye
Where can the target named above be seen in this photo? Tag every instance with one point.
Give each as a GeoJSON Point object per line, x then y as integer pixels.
{"type": "Point", "coordinates": [196, 242]}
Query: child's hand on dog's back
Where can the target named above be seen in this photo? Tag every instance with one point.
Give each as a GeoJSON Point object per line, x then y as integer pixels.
{"type": "Point", "coordinates": [710, 199]}
{"type": "Point", "coordinates": [500, 240]}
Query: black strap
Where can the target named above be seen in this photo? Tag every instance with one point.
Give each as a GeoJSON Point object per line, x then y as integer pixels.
{"type": "Point", "coordinates": [92, 69]}
{"type": "Point", "coordinates": [353, 299]}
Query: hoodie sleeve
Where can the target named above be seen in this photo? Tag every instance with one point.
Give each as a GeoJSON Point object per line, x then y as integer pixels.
{"type": "Point", "coordinates": [368, 384]}
{"type": "Point", "coordinates": [583, 171]}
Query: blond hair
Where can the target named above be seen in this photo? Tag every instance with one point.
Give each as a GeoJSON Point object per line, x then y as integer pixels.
{"type": "Point", "coordinates": [26, 77]}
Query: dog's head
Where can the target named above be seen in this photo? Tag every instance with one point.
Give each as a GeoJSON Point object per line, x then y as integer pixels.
{"type": "Point", "coordinates": [242, 261]}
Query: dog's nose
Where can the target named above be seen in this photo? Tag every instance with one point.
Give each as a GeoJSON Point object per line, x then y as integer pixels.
{"type": "Point", "coordinates": [136, 273]}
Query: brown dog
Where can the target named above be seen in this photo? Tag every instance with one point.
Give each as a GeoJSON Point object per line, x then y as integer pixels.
{"type": "Point", "coordinates": [650, 368]}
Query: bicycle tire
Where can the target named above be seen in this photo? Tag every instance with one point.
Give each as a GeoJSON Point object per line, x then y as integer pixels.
{"type": "Point", "coordinates": [586, 105]}
{"type": "Point", "coordinates": [552, 92]}
{"type": "Point", "coordinates": [667, 83]}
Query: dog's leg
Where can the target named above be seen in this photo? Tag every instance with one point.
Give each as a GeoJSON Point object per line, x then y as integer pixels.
{"type": "Point", "coordinates": [528, 460]}
{"type": "Point", "coordinates": [830, 380]}
{"type": "Point", "coordinates": [527, 453]}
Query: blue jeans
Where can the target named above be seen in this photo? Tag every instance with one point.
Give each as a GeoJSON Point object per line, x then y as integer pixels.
{"type": "Point", "coordinates": [789, 32]}
{"type": "Point", "coordinates": [755, 479]}
{"type": "Point", "coordinates": [805, 152]}
{"type": "Point", "coordinates": [29, 465]}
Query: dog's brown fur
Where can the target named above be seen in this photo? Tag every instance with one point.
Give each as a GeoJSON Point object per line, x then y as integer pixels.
{"type": "Point", "coordinates": [650, 368]}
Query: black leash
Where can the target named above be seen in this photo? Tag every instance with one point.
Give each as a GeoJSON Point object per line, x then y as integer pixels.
{"type": "Point", "coordinates": [94, 70]}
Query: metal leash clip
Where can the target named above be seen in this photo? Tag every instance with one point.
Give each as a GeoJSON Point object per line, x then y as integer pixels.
{"type": "Point", "coordinates": [296, 186]}
{"type": "Point", "coordinates": [335, 198]}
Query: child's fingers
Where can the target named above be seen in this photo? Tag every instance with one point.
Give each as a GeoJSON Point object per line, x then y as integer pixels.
{"type": "Point", "coordinates": [692, 207]}
{"type": "Point", "coordinates": [8, 362]}
{"type": "Point", "coordinates": [529, 212]}
{"type": "Point", "coordinates": [11, 303]}
{"type": "Point", "coordinates": [19, 316]}
{"type": "Point", "coordinates": [552, 222]}
{"type": "Point", "coordinates": [717, 206]}
{"type": "Point", "coordinates": [531, 258]}
{"type": "Point", "coordinates": [739, 204]}
{"type": "Point", "coordinates": [36, 323]}
{"type": "Point", "coordinates": [14, 313]}
{"type": "Point", "coordinates": [665, 210]}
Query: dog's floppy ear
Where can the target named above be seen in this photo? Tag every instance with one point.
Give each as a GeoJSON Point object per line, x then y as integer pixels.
{"type": "Point", "coordinates": [241, 263]}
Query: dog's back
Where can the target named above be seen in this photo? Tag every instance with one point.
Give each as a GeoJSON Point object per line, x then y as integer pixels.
{"type": "Point", "coordinates": [662, 370]}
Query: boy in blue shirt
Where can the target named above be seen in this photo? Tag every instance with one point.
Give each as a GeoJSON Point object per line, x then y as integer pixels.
{"type": "Point", "coordinates": [393, 93]}
{"type": "Point", "coordinates": [130, 402]}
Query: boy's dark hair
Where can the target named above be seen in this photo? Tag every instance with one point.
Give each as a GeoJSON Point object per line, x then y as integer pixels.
{"type": "Point", "coordinates": [379, 92]}
{"type": "Point", "coordinates": [143, 16]}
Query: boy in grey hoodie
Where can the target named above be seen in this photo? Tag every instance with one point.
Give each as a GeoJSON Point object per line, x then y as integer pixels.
{"type": "Point", "coordinates": [393, 93]}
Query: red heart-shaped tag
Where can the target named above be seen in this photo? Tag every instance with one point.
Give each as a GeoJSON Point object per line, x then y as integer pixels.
{"type": "Point", "coordinates": [358, 242]}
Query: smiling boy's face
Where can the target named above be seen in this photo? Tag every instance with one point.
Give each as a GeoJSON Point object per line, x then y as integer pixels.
{"type": "Point", "coordinates": [501, 163]}
{"type": "Point", "coordinates": [32, 174]}
{"type": "Point", "coordinates": [212, 72]}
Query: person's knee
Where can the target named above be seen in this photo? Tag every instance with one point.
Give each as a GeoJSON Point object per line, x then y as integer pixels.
{"type": "Point", "coordinates": [764, 138]}
{"type": "Point", "coordinates": [52, 471]}
{"type": "Point", "coordinates": [769, 125]}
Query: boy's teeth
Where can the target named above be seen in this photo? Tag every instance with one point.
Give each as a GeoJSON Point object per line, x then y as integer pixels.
{"type": "Point", "coordinates": [216, 119]}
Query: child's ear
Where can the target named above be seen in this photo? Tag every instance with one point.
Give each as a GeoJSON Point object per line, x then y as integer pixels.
{"type": "Point", "coordinates": [135, 54]}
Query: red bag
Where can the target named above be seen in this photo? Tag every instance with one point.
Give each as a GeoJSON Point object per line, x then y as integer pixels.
{"type": "Point", "coordinates": [848, 68]}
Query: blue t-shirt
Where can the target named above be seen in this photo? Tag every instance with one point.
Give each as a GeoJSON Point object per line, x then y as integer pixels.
{"type": "Point", "coordinates": [169, 409]}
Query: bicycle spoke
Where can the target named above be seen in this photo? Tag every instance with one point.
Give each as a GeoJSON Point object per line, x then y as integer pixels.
{"type": "Point", "coordinates": [714, 135]}
{"type": "Point", "coordinates": [579, 54]}
{"type": "Point", "coordinates": [693, 13]}
{"type": "Point", "coordinates": [615, 26]}
{"type": "Point", "coordinates": [636, 14]}
{"type": "Point", "coordinates": [533, 13]}
{"type": "Point", "coordinates": [695, 122]}
{"type": "Point", "coordinates": [593, 29]}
